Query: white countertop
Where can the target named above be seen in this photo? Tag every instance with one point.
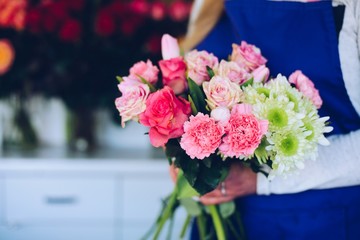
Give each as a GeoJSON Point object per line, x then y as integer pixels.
{"type": "Point", "coordinates": [101, 160]}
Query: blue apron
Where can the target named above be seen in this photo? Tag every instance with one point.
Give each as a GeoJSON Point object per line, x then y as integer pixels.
{"type": "Point", "coordinates": [294, 35]}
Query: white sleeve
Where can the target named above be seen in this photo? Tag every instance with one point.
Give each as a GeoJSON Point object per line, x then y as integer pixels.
{"type": "Point", "coordinates": [338, 165]}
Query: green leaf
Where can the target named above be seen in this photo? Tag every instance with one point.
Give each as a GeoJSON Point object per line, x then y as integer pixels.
{"type": "Point", "coordinates": [191, 206]}
{"type": "Point", "coordinates": [172, 148]}
{"type": "Point", "coordinates": [209, 178]}
{"type": "Point", "coordinates": [260, 152]}
{"type": "Point", "coordinates": [120, 79]}
{"type": "Point", "coordinates": [247, 83]}
{"type": "Point", "coordinates": [189, 166]}
{"type": "Point", "coordinates": [207, 162]}
{"type": "Point", "coordinates": [184, 188]}
{"type": "Point", "coordinates": [210, 71]}
{"type": "Point", "coordinates": [151, 87]}
{"type": "Point", "coordinates": [197, 95]}
{"type": "Point", "coordinates": [227, 209]}
{"type": "Point", "coordinates": [192, 105]}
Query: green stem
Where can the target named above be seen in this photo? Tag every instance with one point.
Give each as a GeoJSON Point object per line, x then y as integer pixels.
{"type": "Point", "coordinates": [219, 228]}
{"type": "Point", "coordinates": [185, 226]}
{"type": "Point", "coordinates": [171, 225]}
{"type": "Point", "coordinates": [200, 220]}
{"type": "Point", "coordinates": [233, 230]}
{"type": "Point", "coordinates": [167, 213]}
{"type": "Point", "coordinates": [240, 224]}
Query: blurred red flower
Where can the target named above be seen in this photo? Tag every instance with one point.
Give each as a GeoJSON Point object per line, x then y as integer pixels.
{"type": "Point", "coordinates": [158, 10]}
{"type": "Point", "coordinates": [12, 13]}
{"type": "Point", "coordinates": [33, 20]}
{"type": "Point", "coordinates": [75, 5]}
{"type": "Point", "coordinates": [140, 7]}
{"type": "Point", "coordinates": [70, 31]}
{"type": "Point", "coordinates": [7, 55]}
{"type": "Point", "coordinates": [105, 23]}
{"type": "Point", "coordinates": [179, 10]}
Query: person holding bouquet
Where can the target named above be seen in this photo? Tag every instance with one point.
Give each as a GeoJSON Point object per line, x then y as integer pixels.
{"type": "Point", "coordinates": [322, 200]}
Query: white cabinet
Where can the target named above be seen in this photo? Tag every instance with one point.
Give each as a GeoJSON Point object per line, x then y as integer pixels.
{"type": "Point", "coordinates": [79, 199]}
{"type": "Point", "coordinates": [46, 199]}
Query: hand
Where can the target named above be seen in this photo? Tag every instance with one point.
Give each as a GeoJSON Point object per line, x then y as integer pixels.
{"type": "Point", "coordinates": [241, 181]}
{"type": "Point", "coordinates": [173, 172]}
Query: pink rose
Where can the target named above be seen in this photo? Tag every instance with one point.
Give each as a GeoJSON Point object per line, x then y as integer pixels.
{"type": "Point", "coordinates": [145, 70]}
{"type": "Point", "coordinates": [247, 56]}
{"type": "Point", "coordinates": [165, 114]}
{"type": "Point", "coordinates": [173, 71]}
{"type": "Point", "coordinates": [243, 132]}
{"type": "Point", "coordinates": [169, 47]}
{"type": "Point", "coordinates": [233, 71]}
{"type": "Point", "coordinates": [128, 82]}
{"type": "Point", "coordinates": [261, 74]}
{"type": "Point", "coordinates": [132, 102]}
{"type": "Point", "coordinates": [221, 92]}
{"type": "Point", "coordinates": [196, 65]}
{"type": "Point", "coordinates": [306, 86]}
{"type": "Point", "coordinates": [202, 136]}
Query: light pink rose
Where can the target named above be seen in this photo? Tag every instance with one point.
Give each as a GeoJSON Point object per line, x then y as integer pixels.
{"type": "Point", "coordinates": [196, 65]}
{"type": "Point", "coordinates": [261, 74]}
{"type": "Point", "coordinates": [202, 136]}
{"type": "Point", "coordinates": [233, 71]}
{"type": "Point", "coordinates": [306, 86]}
{"type": "Point", "coordinates": [243, 132]}
{"type": "Point", "coordinates": [169, 47]}
{"type": "Point", "coordinates": [165, 114]}
{"type": "Point", "coordinates": [173, 72]}
{"type": "Point", "coordinates": [247, 56]}
{"type": "Point", "coordinates": [221, 92]}
{"type": "Point", "coordinates": [132, 102]}
{"type": "Point", "coordinates": [145, 70]}
{"type": "Point", "coordinates": [128, 82]}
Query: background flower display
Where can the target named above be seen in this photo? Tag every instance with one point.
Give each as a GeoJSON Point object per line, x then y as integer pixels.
{"type": "Point", "coordinates": [72, 49]}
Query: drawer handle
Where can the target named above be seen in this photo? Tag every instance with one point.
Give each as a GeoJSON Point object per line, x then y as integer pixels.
{"type": "Point", "coordinates": [61, 200]}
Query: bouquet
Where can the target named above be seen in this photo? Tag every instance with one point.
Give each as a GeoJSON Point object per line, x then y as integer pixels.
{"type": "Point", "coordinates": [208, 114]}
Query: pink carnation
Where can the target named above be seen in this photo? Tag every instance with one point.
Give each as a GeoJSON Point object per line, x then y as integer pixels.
{"type": "Point", "coordinates": [196, 65]}
{"type": "Point", "coordinates": [306, 86]}
{"type": "Point", "coordinates": [243, 132]}
{"type": "Point", "coordinates": [145, 70]}
{"type": "Point", "coordinates": [247, 56]}
{"type": "Point", "coordinates": [165, 114]}
{"type": "Point", "coordinates": [132, 103]}
{"type": "Point", "coordinates": [202, 136]}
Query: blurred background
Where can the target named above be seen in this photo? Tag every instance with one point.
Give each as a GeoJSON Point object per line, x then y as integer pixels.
{"type": "Point", "coordinates": [67, 168]}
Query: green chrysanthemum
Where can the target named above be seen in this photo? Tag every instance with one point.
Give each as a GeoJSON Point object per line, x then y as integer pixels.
{"type": "Point", "coordinates": [289, 150]}
{"type": "Point", "coordinates": [279, 112]}
{"type": "Point", "coordinates": [256, 93]}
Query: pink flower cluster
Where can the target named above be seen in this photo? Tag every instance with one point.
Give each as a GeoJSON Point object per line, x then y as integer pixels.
{"type": "Point", "coordinates": [230, 128]}
{"type": "Point", "coordinates": [238, 137]}
{"type": "Point", "coordinates": [306, 86]}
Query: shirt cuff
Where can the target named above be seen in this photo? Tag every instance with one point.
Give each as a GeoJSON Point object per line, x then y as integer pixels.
{"type": "Point", "coordinates": [262, 185]}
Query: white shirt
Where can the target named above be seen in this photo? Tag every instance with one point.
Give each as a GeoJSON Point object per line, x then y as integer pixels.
{"type": "Point", "coordinates": [338, 165]}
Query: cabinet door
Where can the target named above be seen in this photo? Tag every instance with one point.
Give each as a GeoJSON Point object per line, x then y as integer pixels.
{"type": "Point", "coordinates": [81, 232]}
{"type": "Point", "coordinates": [2, 201]}
{"type": "Point", "coordinates": [39, 200]}
{"type": "Point", "coordinates": [142, 201]}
